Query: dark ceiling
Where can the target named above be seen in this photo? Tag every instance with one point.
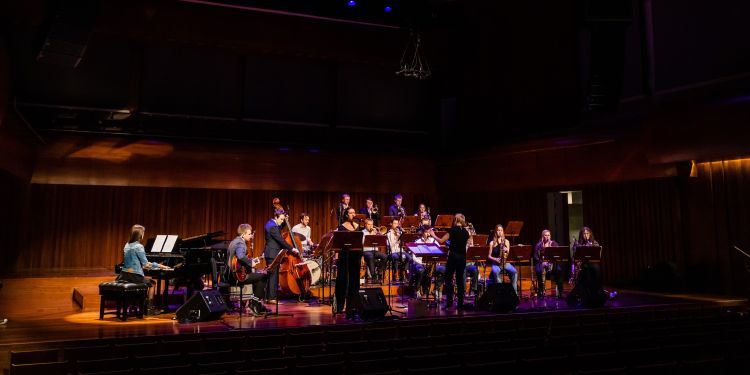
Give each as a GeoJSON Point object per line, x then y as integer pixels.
{"type": "Point", "coordinates": [323, 73]}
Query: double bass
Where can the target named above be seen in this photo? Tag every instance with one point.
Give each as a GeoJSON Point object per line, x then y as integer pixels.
{"type": "Point", "coordinates": [294, 275]}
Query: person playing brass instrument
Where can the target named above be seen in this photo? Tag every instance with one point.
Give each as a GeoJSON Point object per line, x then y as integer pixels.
{"type": "Point", "coordinates": [396, 209]}
{"type": "Point", "coordinates": [423, 212]}
{"type": "Point", "coordinates": [371, 254]}
{"type": "Point", "coordinates": [399, 259]}
{"type": "Point", "coordinates": [498, 255]}
{"type": "Point", "coordinates": [371, 211]}
{"type": "Point", "coordinates": [543, 268]}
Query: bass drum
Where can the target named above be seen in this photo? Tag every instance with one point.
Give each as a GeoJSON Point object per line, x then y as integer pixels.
{"type": "Point", "coordinates": [312, 268]}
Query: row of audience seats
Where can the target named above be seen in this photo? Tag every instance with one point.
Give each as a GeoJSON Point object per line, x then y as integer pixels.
{"type": "Point", "coordinates": [692, 340]}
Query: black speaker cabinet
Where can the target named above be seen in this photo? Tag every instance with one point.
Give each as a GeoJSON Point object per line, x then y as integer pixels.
{"type": "Point", "coordinates": [202, 306]}
{"type": "Point", "coordinates": [499, 298]}
{"type": "Point", "coordinates": [371, 303]}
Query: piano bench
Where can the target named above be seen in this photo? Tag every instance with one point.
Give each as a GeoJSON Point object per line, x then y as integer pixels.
{"type": "Point", "coordinates": [125, 295]}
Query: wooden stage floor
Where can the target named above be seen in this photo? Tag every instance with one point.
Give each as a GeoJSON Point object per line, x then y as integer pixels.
{"type": "Point", "coordinates": [41, 311]}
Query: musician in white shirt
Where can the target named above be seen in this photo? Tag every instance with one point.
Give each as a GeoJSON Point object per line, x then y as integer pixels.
{"type": "Point", "coordinates": [399, 259]}
{"type": "Point", "coordinates": [303, 228]}
{"type": "Point", "coordinates": [371, 254]}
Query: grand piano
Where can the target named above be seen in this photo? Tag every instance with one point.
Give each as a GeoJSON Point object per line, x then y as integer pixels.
{"type": "Point", "coordinates": [191, 259]}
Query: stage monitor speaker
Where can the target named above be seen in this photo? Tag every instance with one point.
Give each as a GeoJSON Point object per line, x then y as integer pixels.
{"type": "Point", "coordinates": [499, 298]}
{"type": "Point", "coordinates": [371, 303]}
{"type": "Point", "coordinates": [202, 306]}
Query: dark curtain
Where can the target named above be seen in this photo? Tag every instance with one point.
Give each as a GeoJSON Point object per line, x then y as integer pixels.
{"type": "Point", "coordinates": [71, 228]}
{"type": "Point", "coordinates": [718, 219]}
{"type": "Point", "coordinates": [638, 225]}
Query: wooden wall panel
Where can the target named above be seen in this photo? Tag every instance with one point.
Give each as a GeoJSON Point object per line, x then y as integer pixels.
{"type": "Point", "coordinates": [85, 227]}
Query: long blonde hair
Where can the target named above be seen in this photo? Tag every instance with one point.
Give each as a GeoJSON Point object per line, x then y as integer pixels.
{"type": "Point", "coordinates": [460, 220]}
{"type": "Point", "coordinates": [495, 238]}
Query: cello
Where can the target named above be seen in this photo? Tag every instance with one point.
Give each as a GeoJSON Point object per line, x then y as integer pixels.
{"type": "Point", "coordinates": [294, 275]}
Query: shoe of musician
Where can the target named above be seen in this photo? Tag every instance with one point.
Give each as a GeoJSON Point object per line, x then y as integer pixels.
{"type": "Point", "coordinates": [612, 294]}
{"type": "Point", "coordinates": [271, 301]}
{"type": "Point", "coordinates": [448, 303]}
{"type": "Point", "coordinates": [419, 295]}
{"type": "Point", "coordinates": [3, 321]}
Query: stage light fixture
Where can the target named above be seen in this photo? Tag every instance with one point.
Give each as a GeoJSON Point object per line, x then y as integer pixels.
{"type": "Point", "coordinates": [351, 3]}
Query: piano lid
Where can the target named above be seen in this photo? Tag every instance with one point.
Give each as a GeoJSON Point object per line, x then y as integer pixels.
{"type": "Point", "coordinates": [202, 241]}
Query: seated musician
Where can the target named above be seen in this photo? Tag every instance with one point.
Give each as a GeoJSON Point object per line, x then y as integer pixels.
{"type": "Point", "coordinates": [497, 256]}
{"type": "Point", "coordinates": [371, 211]}
{"type": "Point", "coordinates": [421, 278]}
{"type": "Point", "coordinates": [399, 259]}
{"type": "Point", "coordinates": [424, 214]}
{"type": "Point", "coordinates": [134, 261]}
{"type": "Point", "coordinates": [238, 249]}
{"type": "Point", "coordinates": [585, 238]}
{"type": "Point", "coordinates": [371, 254]}
{"type": "Point", "coordinates": [303, 228]}
{"type": "Point", "coordinates": [347, 265]}
{"type": "Point", "coordinates": [543, 268]}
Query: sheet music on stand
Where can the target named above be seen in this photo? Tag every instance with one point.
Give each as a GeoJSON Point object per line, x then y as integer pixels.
{"type": "Point", "coordinates": [427, 251]}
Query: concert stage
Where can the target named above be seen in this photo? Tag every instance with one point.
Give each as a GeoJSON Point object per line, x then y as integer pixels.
{"type": "Point", "coordinates": [42, 313]}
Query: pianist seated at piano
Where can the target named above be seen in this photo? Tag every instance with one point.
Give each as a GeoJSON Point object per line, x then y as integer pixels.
{"type": "Point", "coordinates": [134, 260]}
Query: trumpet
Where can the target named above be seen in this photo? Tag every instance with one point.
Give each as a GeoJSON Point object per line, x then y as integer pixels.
{"type": "Point", "coordinates": [470, 228]}
{"type": "Point", "coordinates": [375, 209]}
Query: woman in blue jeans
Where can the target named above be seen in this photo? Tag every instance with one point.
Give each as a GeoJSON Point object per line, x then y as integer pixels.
{"type": "Point", "coordinates": [499, 247]}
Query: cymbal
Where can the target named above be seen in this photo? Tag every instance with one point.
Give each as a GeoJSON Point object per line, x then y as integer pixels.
{"type": "Point", "coordinates": [300, 236]}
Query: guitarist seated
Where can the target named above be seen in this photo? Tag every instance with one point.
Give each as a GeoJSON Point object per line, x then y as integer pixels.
{"type": "Point", "coordinates": [239, 269]}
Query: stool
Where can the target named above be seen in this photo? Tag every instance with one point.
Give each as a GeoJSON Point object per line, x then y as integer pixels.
{"type": "Point", "coordinates": [125, 294]}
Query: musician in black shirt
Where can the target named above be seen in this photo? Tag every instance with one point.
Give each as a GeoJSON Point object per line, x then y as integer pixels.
{"type": "Point", "coordinates": [459, 237]}
{"type": "Point", "coordinates": [371, 211]}
{"type": "Point", "coordinates": [347, 265]}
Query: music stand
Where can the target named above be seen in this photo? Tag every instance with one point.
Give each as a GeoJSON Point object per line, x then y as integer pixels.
{"type": "Point", "coordinates": [556, 254]}
{"type": "Point", "coordinates": [520, 254]}
{"type": "Point", "coordinates": [323, 252]}
{"type": "Point", "coordinates": [443, 221]}
{"type": "Point", "coordinates": [345, 241]}
{"type": "Point", "coordinates": [588, 253]}
{"type": "Point", "coordinates": [513, 229]}
{"type": "Point", "coordinates": [275, 263]}
{"type": "Point", "coordinates": [481, 239]}
{"type": "Point", "coordinates": [378, 241]}
{"type": "Point", "coordinates": [410, 222]}
{"type": "Point", "coordinates": [387, 220]}
{"type": "Point", "coordinates": [428, 252]}
{"type": "Point", "coordinates": [409, 237]}
{"type": "Point", "coordinates": [478, 254]}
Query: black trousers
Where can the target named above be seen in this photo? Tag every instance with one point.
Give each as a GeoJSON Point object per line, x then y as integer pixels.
{"type": "Point", "coordinates": [347, 273]}
{"type": "Point", "coordinates": [370, 257]}
{"type": "Point", "coordinates": [456, 266]}
{"type": "Point", "coordinates": [258, 281]}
